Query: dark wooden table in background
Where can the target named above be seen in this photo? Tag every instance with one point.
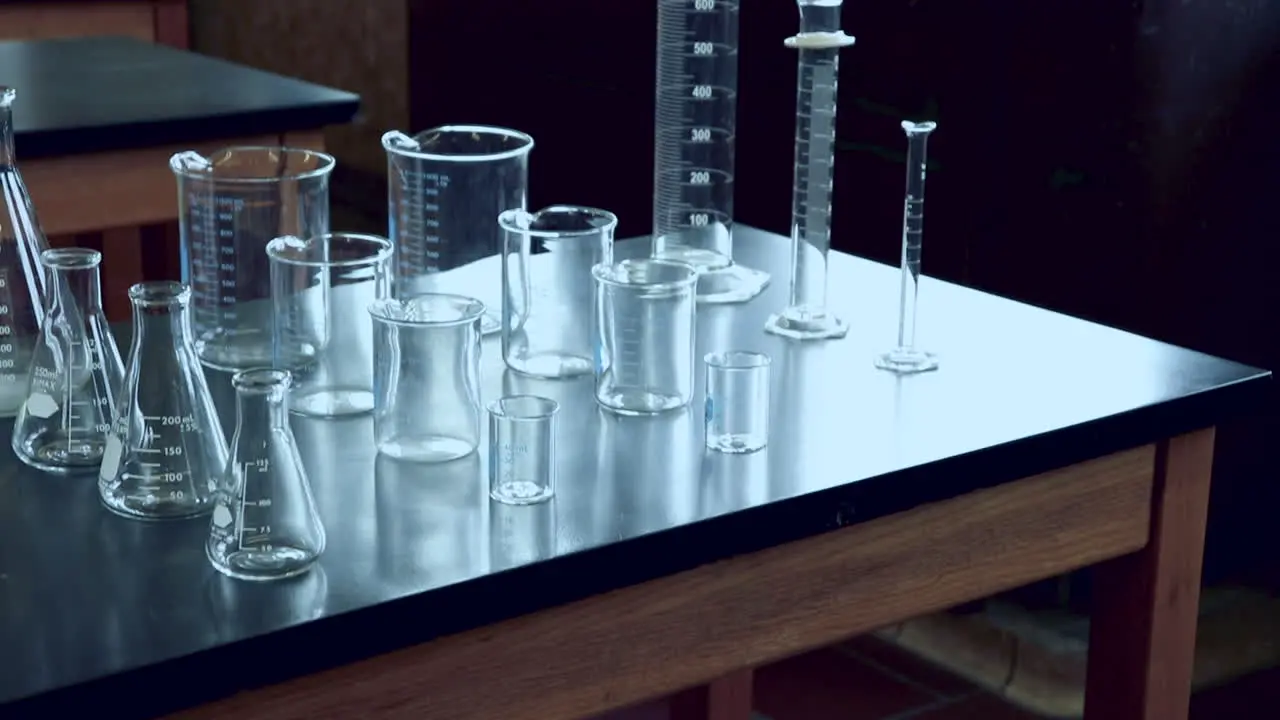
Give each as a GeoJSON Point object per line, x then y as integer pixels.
{"type": "Point", "coordinates": [97, 119]}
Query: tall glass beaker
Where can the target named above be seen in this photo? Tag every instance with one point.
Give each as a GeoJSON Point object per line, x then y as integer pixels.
{"type": "Point", "coordinates": [546, 287]}
{"type": "Point", "coordinates": [230, 205]}
{"type": "Point", "coordinates": [446, 187]}
{"type": "Point", "coordinates": [21, 279]}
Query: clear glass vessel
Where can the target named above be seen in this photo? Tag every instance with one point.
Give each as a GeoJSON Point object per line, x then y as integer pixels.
{"type": "Point", "coordinates": [265, 525]}
{"type": "Point", "coordinates": [75, 374]}
{"type": "Point", "coordinates": [21, 280]}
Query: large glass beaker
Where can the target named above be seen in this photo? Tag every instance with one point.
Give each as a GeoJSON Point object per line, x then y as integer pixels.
{"type": "Point", "coordinates": [230, 205]}
{"type": "Point", "coordinates": [21, 279]}
{"type": "Point", "coordinates": [446, 187]}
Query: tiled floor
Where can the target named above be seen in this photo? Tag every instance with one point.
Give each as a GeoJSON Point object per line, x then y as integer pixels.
{"type": "Point", "coordinates": [869, 680]}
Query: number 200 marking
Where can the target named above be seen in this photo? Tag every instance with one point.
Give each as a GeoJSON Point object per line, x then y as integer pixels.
{"type": "Point", "coordinates": [699, 177]}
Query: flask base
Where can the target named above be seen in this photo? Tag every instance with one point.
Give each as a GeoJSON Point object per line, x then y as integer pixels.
{"type": "Point", "coordinates": [262, 564]}
{"type": "Point", "coordinates": [61, 454]}
{"type": "Point", "coordinates": [636, 401]}
{"type": "Point", "coordinates": [731, 284]}
{"type": "Point", "coordinates": [426, 448]}
{"type": "Point", "coordinates": [907, 361]}
{"type": "Point", "coordinates": [551, 365]}
{"type": "Point", "coordinates": [798, 323]}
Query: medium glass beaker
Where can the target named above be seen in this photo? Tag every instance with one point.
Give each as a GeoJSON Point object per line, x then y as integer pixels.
{"type": "Point", "coordinates": [546, 287]}
{"type": "Point", "coordinates": [322, 288]}
{"type": "Point", "coordinates": [21, 278]}
{"type": "Point", "coordinates": [166, 449]}
{"type": "Point", "coordinates": [426, 377]}
{"type": "Point", "coordinates": [265, 525]}
{"type": "Point", "coordinates": [645, 314]}
{"type": "Point", "coordinates": [445, 187]}
{"type": "Point", "coordinates": [230, 205]}
{"type": "Point", "coordinates": [76, 372]}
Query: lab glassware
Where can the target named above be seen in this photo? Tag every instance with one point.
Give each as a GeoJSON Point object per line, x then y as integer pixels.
{"type": "Point", "coordinates": [694, 130]}
{"type": "Point", "coordinates": [736, 412]}
{"type": "Point", "coordinates": [644, 335]}
{"type": "Point", "coordinates": [446, 186]}
{"type": "Point", "coordinates": [230, 205]}
{"type": "Point", "coordinates": [321, 288]}
{"type": "Point", "coordinates": [76, 372]}
{"type": "Point", "coordinates": [546, 287]}
{"type": "Point", "coordinates": [522, 449]}
{"type": "Point", "coordinates": [265, 525]}
{"type": "Point", "coordinates": [426, 376]}
{"type": "Point", "coordinates": [819, 41]}
{"type": "Point", "coordinates": [166, 449]}
{"type": "Point", "coordinates": [906, 358]}
{"type": "Point", "coordinates": [22, 281]}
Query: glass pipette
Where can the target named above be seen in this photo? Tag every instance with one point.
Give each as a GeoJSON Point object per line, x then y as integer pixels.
{"type": "Point", "coordinates": [906, 358]}
{"type": "Point", "coordinates": [818, 42]}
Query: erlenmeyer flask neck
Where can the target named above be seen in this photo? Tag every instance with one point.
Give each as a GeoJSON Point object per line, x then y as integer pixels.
{"type": "Point", "coordinates": [6, 126]}
{"type": "Point", "coordinates": [160, 315]}
{"type": "Point", "coordinates": [261, 399]}
{"type": "Point", "coordinates": [75, 281]}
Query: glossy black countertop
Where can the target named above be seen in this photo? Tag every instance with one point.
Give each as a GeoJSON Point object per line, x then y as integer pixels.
{"type": "Point", "coordinates": [97, 609]}
{"type": "Point", "coordinates": [95, 94]}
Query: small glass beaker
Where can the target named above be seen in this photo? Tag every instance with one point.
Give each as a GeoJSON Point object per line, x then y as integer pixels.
{"type": "Point", "coordinates": [445, 187]}
{"type": "Point", "coordinates": [644, 326]}
{"type": "Point", "coordinates": [522, 449]}
{"type": "Point", "coordinates": [230, 205]}
{"type": "Point", "coordinates": [322, 288]}
{"type": "Point", "coordinates": [426, 376]}
{"type": "Point", "coordinates": [547, 289]}
{"type": "Point", "coordinates": [736, 412]}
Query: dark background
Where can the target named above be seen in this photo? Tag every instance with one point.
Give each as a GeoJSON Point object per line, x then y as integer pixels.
{"type": "Point", "coordinates": [1108, 159]}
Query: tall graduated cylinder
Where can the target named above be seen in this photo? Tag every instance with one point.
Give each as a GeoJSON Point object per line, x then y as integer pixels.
{"type": "Point", "coordinates": [546, 287]}
{"type": "Point", "coordinates": [231, 204]}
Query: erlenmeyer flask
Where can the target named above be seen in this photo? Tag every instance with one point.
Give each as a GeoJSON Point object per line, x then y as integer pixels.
{"type": "Point", "coordinates": [166, 449]}
{"type": "Point", "coordinates": [265, 524]}
{"type": "Point", "coordinates": [75, 373]}
{"type": "Point", "coordinates": [21, 281]}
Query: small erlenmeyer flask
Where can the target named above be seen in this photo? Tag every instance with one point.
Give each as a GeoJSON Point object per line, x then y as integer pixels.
{"type": "Point", "coordinates": [166, 449]}
{"type": "Point", "coordinates": [21, 281]}
{"type": "Point", "coordinates": [75, 373]}
{"type": "Point", "coordinates": [265, 524]}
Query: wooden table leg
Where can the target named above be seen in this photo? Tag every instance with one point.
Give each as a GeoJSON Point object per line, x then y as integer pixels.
{"type": "Point", "coordinates": [726, 698]}
{"type": "Point", "coordinates": [1142, 638]}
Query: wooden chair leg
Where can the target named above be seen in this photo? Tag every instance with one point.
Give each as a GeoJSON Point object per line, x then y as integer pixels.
{"type": "Point", "coordinates": [1142, 637]}
{"type": "Point", "coordinates": [726, 698]}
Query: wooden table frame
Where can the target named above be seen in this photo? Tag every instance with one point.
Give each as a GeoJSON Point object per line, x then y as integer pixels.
{"type": "Point", "coordinates": [129, 198]}
{"type": "Point", "coordinates": [1138, 514]}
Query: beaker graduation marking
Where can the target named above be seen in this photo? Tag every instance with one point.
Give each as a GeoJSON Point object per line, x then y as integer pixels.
{"type": "Point", "coordinates": [818, 42]}
{"type": "Point", "coordinates": [906, 358]}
